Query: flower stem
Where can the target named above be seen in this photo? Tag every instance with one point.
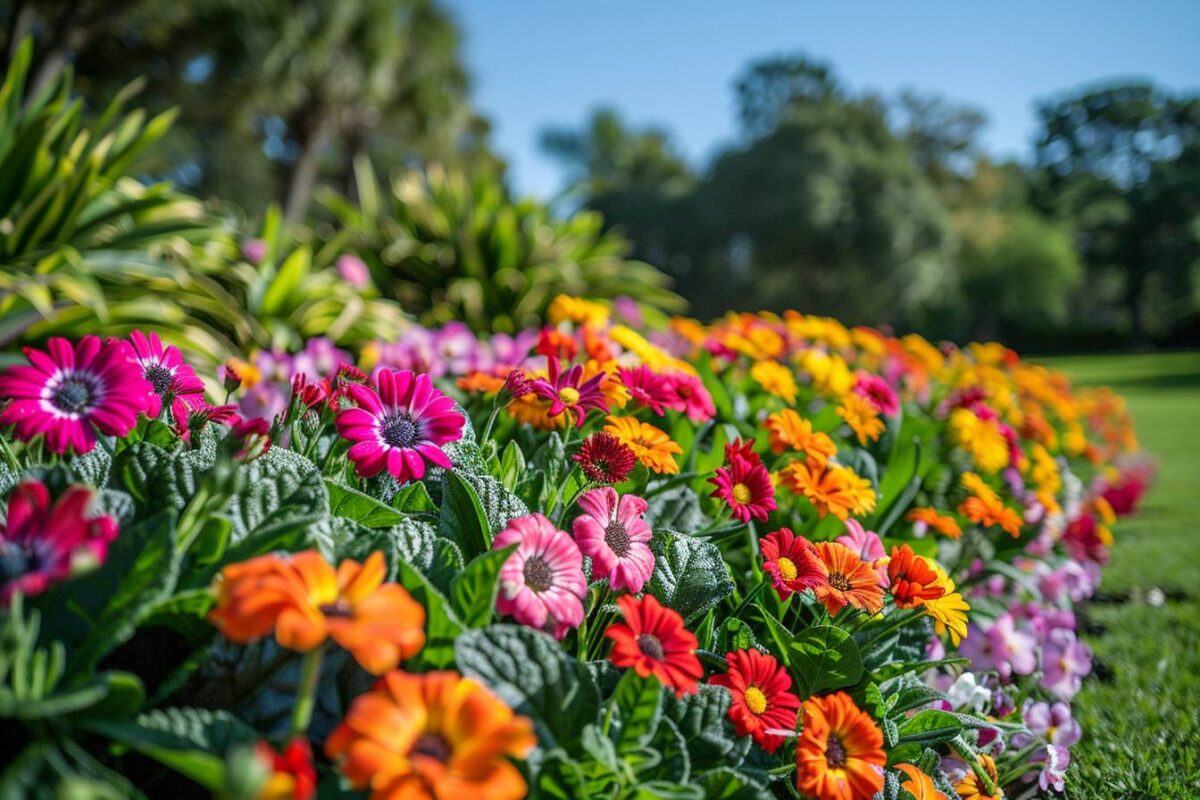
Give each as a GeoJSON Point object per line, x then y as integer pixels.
{"type": "Point", "coordinates": [306, 692]}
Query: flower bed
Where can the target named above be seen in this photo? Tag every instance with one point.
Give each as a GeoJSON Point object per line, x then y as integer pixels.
{"type": "Point", "coordinates": [768, 557]}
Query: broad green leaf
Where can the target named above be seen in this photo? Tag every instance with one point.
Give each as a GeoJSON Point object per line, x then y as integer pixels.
{"type": "Point", "coordinates": [689, 576]}
{"type": "Point", "coordinates": [442, 625]}
{"type": "Point", "coordinates": [473, 592]}
{"type": "Point", "coordinates": [702, 720]}
{"type": "Point", "coordinates": [825, 657]}
{"type": "Point", "coordinates": [930, 727]}
{"type": "Point", "coordinates": [463, 520]}
{"type": "Point", "coordinates": [638, 704]}
{"type": "Point", "coordinates": [348, 502]}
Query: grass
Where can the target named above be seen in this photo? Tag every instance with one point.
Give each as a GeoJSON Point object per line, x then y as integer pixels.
{"type": "Point", "coordinates": [1141, 710]}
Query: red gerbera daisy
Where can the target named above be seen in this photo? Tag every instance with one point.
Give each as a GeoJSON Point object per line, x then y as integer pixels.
{"type": "Point", "coordinates": [744, 483]}
{"type": "Point", "coordinates": [653, 641]}
{"type": "Point", "coordinates": [605, 459]}
{"type": "Point", "coordinates": [762, 700]}
{"type": "Point", "coordinates": [792, 562]}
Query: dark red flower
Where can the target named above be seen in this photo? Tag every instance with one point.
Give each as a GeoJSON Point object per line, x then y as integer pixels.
{"type": "Point", "coordinates": [605, 459]}
{"type": "Point", "coordinates": [292, 773]}
{"type": "Point", "coordinates": [792, 562]}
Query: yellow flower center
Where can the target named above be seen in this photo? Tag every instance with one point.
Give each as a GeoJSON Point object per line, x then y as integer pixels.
{"type": "Point", "coordinates": [756, 701]}
{"type": "Point", "coordinates": [569, 395]}
{"type": "Point", "coordinates": [787, 569]}
{"type": "Point", "coordinates": [742, 493]}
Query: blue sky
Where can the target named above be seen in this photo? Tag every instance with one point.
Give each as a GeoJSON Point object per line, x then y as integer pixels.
{"type": "Point", "coordinates": [672, 63]}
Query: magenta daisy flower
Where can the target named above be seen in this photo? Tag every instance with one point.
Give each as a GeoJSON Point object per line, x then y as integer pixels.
{"type": "Point", "coordinates": [612, 532]}
{"type": "Point", "coordinates": [878, 392]}
{"type": "Point", "coordinates": [40, 543]}
{"type": "Point", "coordinates": [542, 583]}
{"type": "Point", "coordinates": [72, 391]}
{"type": "Point", "coordinates": [650, 389]}
{"type": "Point", "coordinates": [567, 391]}
{"type": "Point", "coordinates": [400, 427]}
{"type": "Point", "coordinates": [744, 483]}
{"type": "Point", "coordinates": [693, 398]}
{"type": "Point", "coordinates": [174, 382]}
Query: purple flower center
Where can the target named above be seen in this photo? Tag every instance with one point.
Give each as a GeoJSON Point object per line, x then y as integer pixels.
{"type": "Point", "coordinates": [73, 395]}
{"type": "Point", "coordinates": [399, 431]}
{"type": "Point", "coordinates": [160, 377]}
{"type": "Point", "coordinates": [432, 745]}
{"type": "Point", "coordinates": [18, 559]}
{"type": "Point", "coordinates": [538, 575]}
{"type": "Point", "coordinates": [617, 538]}
{"type": "Point", "coordinates": [835, 752]}
{"type": "Point", "coordinates": [651, 646]}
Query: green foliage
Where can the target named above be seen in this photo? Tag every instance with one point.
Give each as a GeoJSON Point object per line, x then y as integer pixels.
{"type": "Point", "coordinates": [689, 576]}
{"type": "Point", "coordinates": [455, 246]}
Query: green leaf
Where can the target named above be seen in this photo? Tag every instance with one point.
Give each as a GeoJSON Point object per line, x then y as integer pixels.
{"type": "Point", "coordinates": [724, 783]}
{"type": "Point", "coordinates": [473, 592]}
{"type": "Point", "coordinates": [463, 520]}
{"type": "Point", "coordinates": [283, 496]}
{"type": "Point", "coordinates": [825, 657]}
{"type": "Point", "coordinates": [413, 498]}
{"type": "Point", "coordinates": [930, 727]}
{"type": "Point", "coordinates": [531, 672]}
{"type": "Point", "coordinates": [689, 576]}
{"type": "Point", "coordinates": [702, 720]}
{"type": "Point", "coordinates": [638, 704]}
{"type": "Point", "coordinates": [442, 626]}
{"type": "Point", "coordinates": [345, 501]}
{"type": "Point", "coordinates": [512, 466]}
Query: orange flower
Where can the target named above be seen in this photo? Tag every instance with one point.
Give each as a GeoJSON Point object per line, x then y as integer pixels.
{"type": "Point", "coordinates": [861, 416]}
{"type": "Point", "coordinates": [986, 508]}
{"type": "Point", "coordinates": [831, 488]}
{"type": "Point", "coordinates": [305, 602]}
{"type": "Point", "coordinates": [912, 580]}
{"type": "Point", "coordinates": [972, 788]}
{"type": "Point", "coordinates": [437, 736]}
{"type": "Point", "coordinates": [919, 785]}
{"type": "Point", "coordinates": [481, 383]}
{"type": "Point", "coordinates": [945, 525]}
{"type": "Point", "coordinates": [839, 755]}
{"type": "Point", "coordinates": [788, 430]}
{"type": "Point", "coordinates": [851, 580]}
{"type": "Point", "coordinates": [651, 446]}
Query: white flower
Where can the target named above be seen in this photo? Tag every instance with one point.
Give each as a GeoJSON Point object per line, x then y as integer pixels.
{"type": "Point", "coordinates": [967, 692]}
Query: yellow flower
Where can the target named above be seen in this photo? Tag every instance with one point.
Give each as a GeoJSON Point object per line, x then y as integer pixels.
{"type": "Point", "coordinates": [564, 308]}
{"type": "Point", "coordinates": [830, 375]}
{"type": "Point", "coordinates": [788, 430]}
{"type": "Point", "coordinates": [861, 416]}
{"type": "Point", "coordinates": [981, 438]}
{"type": "Point", "coordinates": [949, 612]}
{"type": "Point", "coordinates": [776, 379]}
{"type": "Point", "coordinates": [651, 446]}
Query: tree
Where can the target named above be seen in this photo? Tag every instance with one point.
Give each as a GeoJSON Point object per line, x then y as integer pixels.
{"type": "Point", "coordinates": [1108, 158]}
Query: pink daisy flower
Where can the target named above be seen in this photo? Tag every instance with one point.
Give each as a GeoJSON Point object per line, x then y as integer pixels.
{"type": "Point", "coordinates": [401, 427]}
{"type": "Point", "coordinates": [878, 392]}
{"type": "Point", "coordinates": [40, 543]}
{"type": "Point", "coordinates": [649, 389]}
{"type": "Point", "coordinates": [72, 391]}
{"type": "Point", "coordinates": [542, 583]}
{"type": "Point", "coordinates": [744, 483]}
{"type": "Point", "coordinates": [612, 532]}
{"type": "Point", "coordinates": [174, 382]}
{"type": "Point", "coordinates": [693, 398]}
{"type": "Point", "coordinates": [567, 391]}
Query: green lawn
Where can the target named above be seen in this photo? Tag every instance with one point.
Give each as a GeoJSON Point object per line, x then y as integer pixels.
{"type": "Point", "coordinates": [1141, 710]}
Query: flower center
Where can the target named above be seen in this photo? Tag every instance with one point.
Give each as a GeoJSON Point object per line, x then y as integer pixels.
{"type": "Point", "coordinates": [617, 538]}
{"type": "Point", "coordinates": [159, 376]}
{"type": "Point", "coordinates": [399, 431]}
{"type": "Point", "coordinates": [432, 745]}
{"type": "Point", "coordinates": [538, 575]}
{"type": "Point", "coordinates": [835, 752]}
{"type": "Point", "coordinates": [756, 701]}
{"type": "Point", "coordinates": [17, 560]}
{"type": "Point", "coordinates": [787, 568]}
{"type": "Point", "coordinates": [569, 395]}
{"type": "Point", "coordinates": [74, 395]}
{"type": "Point", "coordinates": [338, 608]}
{"type": "Point", "coordinates": [840, 582]}
{"type": "Point", "coordinates": [651, 646]}
{"type": "Point", "coordinates": [742, 493]}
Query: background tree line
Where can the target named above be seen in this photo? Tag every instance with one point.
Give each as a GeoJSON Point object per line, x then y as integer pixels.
{"type": "Point", "coordinates": [880, 210]}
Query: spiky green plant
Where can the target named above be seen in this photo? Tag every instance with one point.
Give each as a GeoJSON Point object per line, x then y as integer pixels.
{"type": "Point", "coordinates": [453, 245]}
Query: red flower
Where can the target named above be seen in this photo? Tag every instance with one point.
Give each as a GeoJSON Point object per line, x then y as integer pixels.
{"type": "Point", "coordinates": [555, 344]}
{"type": "Point", "coordinates": [792, 562]}
{"type": "Point", "coordinates": [744, 483]}
{"type": "Point", "coordinates": [653, 641]}
{"type": "Point", "coordinates": [292, 774]}
{"type": "Point", "coordinates": [605, 459]}
{"type": "Point", "coordinates": [762, 700]}
{"type": "Point", "coordinates": [911, 578]}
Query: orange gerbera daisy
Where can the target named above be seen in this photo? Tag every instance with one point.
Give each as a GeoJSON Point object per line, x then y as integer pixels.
{"type": "Point", "coordinates": [986, 508]}
{"type": "Point", "coordinates": [831, 488]}
{"type": "Point", "coordinates": [857, 412]}
{"type": "Point", "coordinates": [651, 446]}
{"type": "Point", "coordinates": [839, 755]}
{"type": "Point", "coordinates": [305, 602]}
{"type": "Point", "coordinates": [851, 581]}
{"type": "Point", "coordinates": [918, 784]}
{"type": "Point", "coordinates": [775, 379]}
{"type": "Point", "coordinates": [436, 736]}
{"type": "Point", "coordinates": [944, 524]}
{"type": "Point", "coordinates": [912, 580]}
{"type": "Point", "coordinates": [972, 788]}
{"type": "Point", "coordinates": [788, 430]}
{"type": "Point", "coordinates": [653, 641]}
{"type": "Point", "coordinates": [481, 382]}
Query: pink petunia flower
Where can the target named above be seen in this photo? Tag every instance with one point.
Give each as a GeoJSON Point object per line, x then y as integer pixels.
{"type": "Point", "coordinates": [401, 427]}
{"type": "Point", "coordinates": [41, 544]}
{"type": "Point", "coordinates": [612, 532]}
{"type": "Point", "coordinates": [542, 584]}
{"type": "Point", "coordinates": [173, 380]}
{"type": "Point", "coordinates": [567, 391]}
{"type": "Point", "coordinates": [1065, 660]}
{"type": "Point", "coordinates": [878, 392]}
{"type": "Point", "coordinates": [72, 391]}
